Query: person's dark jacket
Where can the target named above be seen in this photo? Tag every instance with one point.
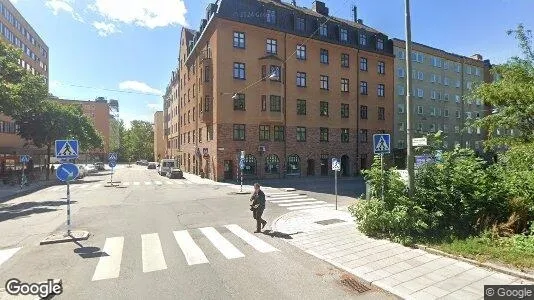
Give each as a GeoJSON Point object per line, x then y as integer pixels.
{"type": "Point", "coordinates": [259, 199]}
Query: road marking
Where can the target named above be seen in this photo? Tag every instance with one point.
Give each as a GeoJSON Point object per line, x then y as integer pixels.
{"type": "Point", "coordinates": [250, 239]}
{"type": "Point", "coordinates": [227, 249]}
{"type": "Point", "coordinates": [302, 203]}
{"type": "Point", "coordinates": [158, 182]}
{"type": "Point", "coordinates": [109, 266]}
{"type": "Point", "coordinates": [293, 200]}
{"type": "Point", "coordinates": [137, 183]}
{"type": "Point", "coordinates": [193, 254]}
{"type": "Point", "coordinates": [7, 254]}
{"type": "Point", "coordinates": [286, 198]}
{"type": "Point", "coordinates": [148, 183]}
{"type": "Point", "coordinates": [282, 194]}
{"type": "Point", "coordinates": [153, 259]}
{"type": "Point", "coordinates": [126, 183]}
{"type": "Point", "coordinates": [310, 206]}
{"type": "Point", "coordinates": [169, 182]}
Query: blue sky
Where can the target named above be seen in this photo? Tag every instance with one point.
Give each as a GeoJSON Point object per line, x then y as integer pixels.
{"type": "Point", "coordinates": [126, 49]}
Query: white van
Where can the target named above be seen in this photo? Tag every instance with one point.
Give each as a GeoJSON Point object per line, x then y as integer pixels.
{"type": "Point", "coordinates": [165, 165]}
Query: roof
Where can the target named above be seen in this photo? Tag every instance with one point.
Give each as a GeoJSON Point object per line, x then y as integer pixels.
{"type": "Point", "coordinates": [397, 41]}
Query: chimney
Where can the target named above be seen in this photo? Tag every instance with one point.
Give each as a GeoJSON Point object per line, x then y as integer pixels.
{"type": "Point", "coordinates": [355, 13]}
{"type": "Point", "coordinates": [320, 8]}
{"type": "Point", "coordinates": [360, 21]}
{"type": "Point", "coordinates": [477, 56]}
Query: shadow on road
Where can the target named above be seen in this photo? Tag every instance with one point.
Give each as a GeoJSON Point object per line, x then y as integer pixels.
{"type": "Point", "coordinates": [88, 252]}
{"type": "Point", "coordinates": [25, 209]}
{"type": "Point", "coordinates": [276, 234]}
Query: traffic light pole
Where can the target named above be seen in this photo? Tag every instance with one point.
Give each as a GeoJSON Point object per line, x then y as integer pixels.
{"type": "Point", "coordinates": [409, 127]}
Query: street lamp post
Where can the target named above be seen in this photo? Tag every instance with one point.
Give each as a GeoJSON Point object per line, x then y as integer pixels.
{"type": "Point", "coordinates": [409, 127]}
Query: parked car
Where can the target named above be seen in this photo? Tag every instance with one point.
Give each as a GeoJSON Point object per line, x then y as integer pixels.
{"type": "Point", "coordinates": [143, 162]}
{"type": "Point", "coordinates": [151, 165]}
{"type": "Point", "coordinates": [91, 169]}
{"type": "Point", "coordinates": [99, 166]}
{"type": "Point", "coordinates": [165, 165]}
{"type": "Point", "coordinates": [82, 171]}
{"type": "Point", "coordinates": [175, 173]}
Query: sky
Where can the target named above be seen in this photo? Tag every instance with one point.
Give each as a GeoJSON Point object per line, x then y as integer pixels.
{"type": "Point", "coordinates": [126, 49]}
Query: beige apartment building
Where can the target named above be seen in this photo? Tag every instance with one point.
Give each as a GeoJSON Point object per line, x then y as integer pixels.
{"type": "Point", "coordinates": [440, 83]}
{"type": "Point", "coordinates": [159, 142]}
{"type": "Point", "coordinates": [170, 117]}
{"type": "Point", "coordinates": [292, 87]}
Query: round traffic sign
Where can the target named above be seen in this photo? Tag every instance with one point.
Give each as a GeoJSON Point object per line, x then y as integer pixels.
{"type": "Point", "coordinates": [67, 172]}
{"type": "Point", "coordinates": [112, 163]}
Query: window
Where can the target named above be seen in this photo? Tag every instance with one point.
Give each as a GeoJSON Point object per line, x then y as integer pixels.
{"type": "Point", "coordinates": [272, 164]}
{"type": "Point", "coordinates": [470, 130]}
{"type": "Point", "coordinates": [456, 129]}
{"type": "Point", "coordinates": [432, 127]}
{"type": "Point", "coordinates": [400, 125]}
{"type": "Point", "coordinates": [271, 46]}
{"type": "Point", "coordinates": [270, 16]}
{"type": "Point", "coordinates": [363, 64]}
{"type": "Point", "coordinates": [239, 40]}
{"type": "Point", "coordinates": [445, 65]}
{"type": "Point", "coordinates": [420, 127]}
{"type": "Point", "coordinates": [458, 68]}
{"type": "Point", "coordinates": [276, 70]}
{"type": "Point", "coordinates": [457, 98]}
{"type": "Point", "coordinates": [445, 128]}
{"type": "Point", "coordinates": [344, 110]}
{"type": "Point", "coordinates": [433, 78]}
{"type": "Point", "coordinates": [433, 111]}
{"type": "Point", "coordinates": [400, 54]}
{"type": "Point", "coordinates": [363, 39]}
{"type": "Point", "coordinates": [363, 87]}
{"type": "Point", "coordinates": [381, 113]}
{"type": "Point", "coordinates": [239, 132]}
{"type": "Point", "coordinates": [458, 114]}
{"type": "Point", "coordinates": [420, 93]}
{"type": "Point", "coordinates": [250, 165]}
{"type": "Point", "coordinates": [344, 135]}
{"type": "Point", "coordinates": [275, 103]}
{"type": "Point", "coordinates": [419, 110]}
{"type": "Point", "coordinates": [363, 135]}
{"type": "Point", "coordinates": [301, 134]}
{"type": "Point", "coordinates": [344, 85]}
{"type": "Point", "coordinates": [265, 132]}
{"type": "Point", "coordinates": [446, 113]}
{"type": "Point", "coordinates": [380, 90]}
{"type": "Point", "coordinates": [200, 135]}
{"type": "Point", "coordinates": [468, 115]}
{"type": "Point", "coordinates": [324, 82]}
{"type": "Point", "coordinates": [400, 72]}
{"type": "Point", "coordinates": [343, 34]}
{"type": "Point", "coordinates": [301, 79]}
{"type": "Point", "coordinates": [477, 71]}
{"type": "Point", "coordinates": [323, 29]}
{"type": "Point", "coordinates": [468, 70]}
{"type": "Point", "coordinates": [324, 56]}
{"type": "Point", "coordinates": [279, 135]}
{"type": "Point", "coordinates": [344, 60]}
{"type": "Point", "coordinates": [323, 134]}
{"type": "Point", "coordinates": [420, 75]}
{"type": "Point", "coordinates": [300, 24]}
{"type": "Point", "coordinates": [301, 52]}
{"type": "Point", "coordinates": [445, 80]}
{"type": "Point", "coordinates": [239, 102]}
{"type": "Point", "coordinates": [400, 89]}
{"type": "Point", "coordinates": [433, 95]}
{"type": "Point", "coordinates": [239, 70]}
{"type": "Point", "coordinates": [207, 74]}
{"type": "Point", "coordinates": [446, 97]}
{"type": "Point", "coordinates": [381, 67]}
{"type": "Point", "coordinates": [323, 108]}
{"type": "Point", "coordinates": [263, 102]}
{"type": "Point", "coordinates": [363, 112]}
{"type": "Point", "coordinates": [401, 108]}
{"type": "Point", "coordinates": [210, 132]}
{"type": "Point", "coordinates": [479, 131]}
{"type": "Point", "coordinates": [301, 107]}
{"type": "Point", "coordinates": [469, 85]}
{"type": "Point", "coordinates": [380, 44]}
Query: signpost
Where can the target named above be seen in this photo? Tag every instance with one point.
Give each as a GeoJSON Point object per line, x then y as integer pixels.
{"type": "Point", "coordinates": [67, 172]}
{"type": "Point", "coordinates": [382, 145]}
{"type": "Point", "coordinates": [419, 142]}
{"type": "Point", "coordinates": [112, 162]}
{"type": "Point", "coordinates": [241, 167]}
{"type": "Point", "coordinates": [336, 166]}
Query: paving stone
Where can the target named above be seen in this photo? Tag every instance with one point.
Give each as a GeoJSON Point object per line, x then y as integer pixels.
{"type": "Point", "coordinates": [463, 295]}
{"type": "Point", "coordinates": [417, 284]}
{"type": "Point", "coordinates": [435, 291]}
{"type": "Point", "coordinates": [420, 295]}
{"type": "Point", "coordinates": [376, 275]}
{"type": "Point", "coordinates": [362, 270]}
{"type": "Point", "coordinates": [452, 284]}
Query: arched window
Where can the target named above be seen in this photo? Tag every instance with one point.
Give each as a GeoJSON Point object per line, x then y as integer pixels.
{"type": "Point", "coordinates": [293, 164]}
{"type": "Point", "coordinates": [272, 164]}
{"type": "Point", "coordinates": [250, 165]}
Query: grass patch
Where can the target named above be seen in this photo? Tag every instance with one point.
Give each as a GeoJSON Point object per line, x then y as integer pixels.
{"type": "Point", "coordinates": [517, 251]}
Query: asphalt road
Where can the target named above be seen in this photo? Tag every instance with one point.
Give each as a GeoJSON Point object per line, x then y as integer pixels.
{"type": "Point", "coordinates": [151, 239]}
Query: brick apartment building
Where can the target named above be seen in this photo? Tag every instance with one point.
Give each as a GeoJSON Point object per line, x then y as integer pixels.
{"type": "Point", "coordinates": [170, 117]}
{"type": "Point", "coordinates": [159, 141]}
{"type": "Point", "coordinates": [292, 87]}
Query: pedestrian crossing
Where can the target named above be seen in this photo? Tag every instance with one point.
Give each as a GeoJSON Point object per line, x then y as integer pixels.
{"type": "Point", "coordinates": [295, 201]}
{"type": "Point", "coordinates": [93, 186]}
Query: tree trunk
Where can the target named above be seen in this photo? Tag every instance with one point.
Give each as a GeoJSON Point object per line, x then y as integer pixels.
{"type": "Point", "coordinates": [48, 146]}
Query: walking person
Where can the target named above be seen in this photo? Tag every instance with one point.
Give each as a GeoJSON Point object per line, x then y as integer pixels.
{"type": "Point", "coordinates": [257, 207]}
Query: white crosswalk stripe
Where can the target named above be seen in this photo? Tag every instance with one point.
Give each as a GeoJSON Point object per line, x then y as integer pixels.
{"type": "Point", "coordinates": [137, 183]}
{"type": "Point", "coordinates": [158, 182]}
{"type": "Point", "coordinates": [153, 259]}
{"type": "Point", "coordinates": [282, 194]}
{"type": "Point", "coordinates": [126, 183]}
{"type": "Point", "coordinates": [193, 254]}
{"type": "Point", "coordinates": [109, 266]}
{"type": "Point", "coordinates": [250, 239]}
{"type": "Point", "coordinates": [169, 182]}
{"type": "Point", "coordinates": [227, 249]}
{"type": "Point", "coordinates": [96, 186]}
{"type": "Point", "coordinates": [301, 203]}
{"type": "Point", "coordinates": [310, 206]}
{"type": "Point", "coordinates": [289, 197]}
{"type": "Point", "coordinates": [148, 183]}
{"type": "Point", "coordinates": [292, 200]}
{"type": "Point", "coordinates": [6, 254]}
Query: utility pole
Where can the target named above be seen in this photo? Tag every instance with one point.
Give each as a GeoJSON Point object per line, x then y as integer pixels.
{"type": "Point", "coordinates": [409, 125]}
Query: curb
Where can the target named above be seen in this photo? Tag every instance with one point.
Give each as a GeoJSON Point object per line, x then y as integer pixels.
{"type": "Point", "coordinates": [477, 263]}
{"type": "Point", "coordinates": [24, 192]}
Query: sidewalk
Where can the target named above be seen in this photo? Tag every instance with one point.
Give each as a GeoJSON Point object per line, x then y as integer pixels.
{"type": "Point", "coordinates": [406, 272]}
{"type": "Point", "coordinates": [7, 191]}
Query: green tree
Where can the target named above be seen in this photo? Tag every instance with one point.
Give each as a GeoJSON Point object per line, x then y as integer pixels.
{"type": "Point", "coordinates": [139, 141]}
{"type": "Point", "coordinates": [512, 94]}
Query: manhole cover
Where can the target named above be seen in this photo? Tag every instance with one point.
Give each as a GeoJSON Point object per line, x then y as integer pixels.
{"type": "Point", "coordinates": [329, 221]}
{"type": "Point", "coordinates": [352, 283]}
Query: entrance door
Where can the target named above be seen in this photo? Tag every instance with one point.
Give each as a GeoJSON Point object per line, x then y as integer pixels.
{"type": "Point", "coordinates": [311, 167]}
{"type": "Point", "coordinates": [228, 170]}
{"type": "Point", "coordinates": [324, 167]}
{"type": "Point", "coordinates": [345, 165]}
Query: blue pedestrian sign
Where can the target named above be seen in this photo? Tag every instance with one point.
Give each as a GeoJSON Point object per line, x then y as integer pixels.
{"type": "Point", "coordinates": [24, 159]}
{"type": "Point", "coordinates": [66, 149]}
{"type": "Point", "coordinates": [67, 172]}
{"type": "Point", "coordinates": [242, 163]}
{"type": "Point", "coordinates": [112, 163]}
{"type": "Point", "coordinates": [381, 143]}
{"type": "Point", "coordinates": [336, 166]}
{"type": "Point", "coordinates": [112, 156]}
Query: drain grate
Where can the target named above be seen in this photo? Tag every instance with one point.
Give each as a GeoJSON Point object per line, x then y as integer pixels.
{"type": "Point", "coordinates": [351, 282]}
{"type": "Point", "coordinates": [329, 221]}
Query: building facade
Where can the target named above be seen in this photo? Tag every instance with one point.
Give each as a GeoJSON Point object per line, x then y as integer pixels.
{"type": "Point", "coordinates": [17, 31]}
{"type": "Point", "coordinates": [159, 142]}
{"type": "Point", "coordinates": [170, 116]}
{"type": "Point", "coordinates": [441, 82]}
{"type": "Point", "coordinates": [290, 86]}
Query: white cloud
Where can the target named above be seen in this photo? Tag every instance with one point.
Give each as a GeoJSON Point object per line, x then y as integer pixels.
{"type": "Point", "coordinates": [154, 106]}
{"type": "Point", "coordinates": [14, 1]}
{"type": "Point", "coordinates": [63, 5]}
{"type": "Point", "coordinates": [105, 29]}
{"type": "Point", "coordinates": [137, 86]}
{"type": "Point", "coordinates": [129, 117]}
{"type": "Point", "coordinates": [144, 13]}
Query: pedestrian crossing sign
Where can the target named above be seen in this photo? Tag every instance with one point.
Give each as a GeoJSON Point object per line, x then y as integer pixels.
{"type": "Point", "coordinates": [66, 149]}
{"type": "Point", "coordinates": [381, 143]}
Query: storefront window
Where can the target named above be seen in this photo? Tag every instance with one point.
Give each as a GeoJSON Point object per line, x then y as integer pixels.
{"type": "Point", "coordinates": [272, 164]}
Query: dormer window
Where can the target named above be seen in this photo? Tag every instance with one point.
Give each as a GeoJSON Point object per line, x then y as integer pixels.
{"type": "Point", "coordinates": [343, 35]}
{"type": "Point", "coordinates": [380, 44]}
{"type": "Point", "coordinates": [323, 30]}
{"type": "Point", "coordinates": [363, 39]}
{"type": "Point", "coordinates": [271, 16]}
